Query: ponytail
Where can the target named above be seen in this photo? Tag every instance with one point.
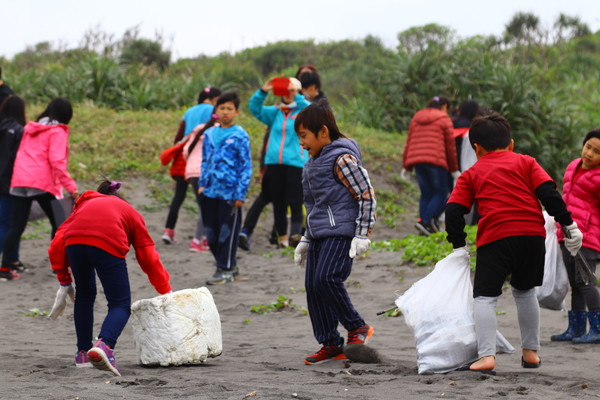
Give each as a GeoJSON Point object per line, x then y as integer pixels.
{"type": "Point", "coordinates": [109, 187]}
{"type": "Point", "coordinates": [209, 124]}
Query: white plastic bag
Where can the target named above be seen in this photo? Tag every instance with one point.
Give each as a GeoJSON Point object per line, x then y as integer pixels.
{"type": "Point", "coordinates": [439, 308]}
{"type": "Point", "coordinates": [555, 286]}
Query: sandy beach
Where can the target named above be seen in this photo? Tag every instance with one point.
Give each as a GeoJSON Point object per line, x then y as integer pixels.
{"type": "Point", "coordinates": [263, 353]}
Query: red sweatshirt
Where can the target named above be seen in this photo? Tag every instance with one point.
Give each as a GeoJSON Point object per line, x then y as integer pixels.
{"type": "Point", "coordinates": [111, 224]}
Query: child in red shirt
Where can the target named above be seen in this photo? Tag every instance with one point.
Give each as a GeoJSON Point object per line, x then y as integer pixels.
{"type": "Point", "coordinates": [510, 238]}
{"type": "Point", "coordinates": [95, 240]}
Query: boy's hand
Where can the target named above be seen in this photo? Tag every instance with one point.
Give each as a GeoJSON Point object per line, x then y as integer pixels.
{"type": "Point", "coordinates": [405, 174]}
{"type": "Point", "coordinates": [301, 250]}
{"type": "Point", "coordinates": [359, 246]}
{"type": "Point", "coordinates": [573, 238]}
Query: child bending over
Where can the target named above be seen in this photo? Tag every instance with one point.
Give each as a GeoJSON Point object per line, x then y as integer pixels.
{"type": "Point", "coordinates": [510, 235]}
{"type": "Point", "coordinates": [340, 205]}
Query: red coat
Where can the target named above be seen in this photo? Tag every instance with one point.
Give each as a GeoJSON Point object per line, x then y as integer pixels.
{"type": "Point", "coordinates": [111, 224]}
{"type": "Point", "coordinates": [175, 154]}
{"type": "Point", "coordinates": [430, 140]}
{"type": "Point", "coordinates": [583, 201]}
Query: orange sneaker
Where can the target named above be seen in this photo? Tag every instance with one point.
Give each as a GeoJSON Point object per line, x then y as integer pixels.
{"type": "Point", "coordinates": [360, 335]}
{"type": "Point", "coordinates": [325, 354]}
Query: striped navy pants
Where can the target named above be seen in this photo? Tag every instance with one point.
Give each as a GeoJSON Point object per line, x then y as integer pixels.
{"type": "Point", "coordinates": [327, 267]}
{"type": "Point", "coordinates": [222, 226]}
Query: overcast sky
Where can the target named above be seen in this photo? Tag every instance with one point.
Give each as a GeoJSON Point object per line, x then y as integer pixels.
{"type": "Point", "coordinates": [199, 27]}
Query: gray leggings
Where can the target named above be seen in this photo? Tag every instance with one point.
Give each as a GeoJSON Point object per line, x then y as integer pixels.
{"type": "Point", "coordinates": [528, 312]}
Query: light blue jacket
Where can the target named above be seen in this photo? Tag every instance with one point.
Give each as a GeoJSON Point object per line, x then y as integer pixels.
{"type": "Point", "coordinates": [194, 116]}
{"type": "Point", "coordinates": [283, 147]}
{"type": "Point", "coordinates": [226, 163]}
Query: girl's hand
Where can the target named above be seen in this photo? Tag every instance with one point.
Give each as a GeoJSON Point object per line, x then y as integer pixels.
{"type": "Point", "coordinates": [200, 190]}
{"type": "Point", "coordinates": [268, 85]}
{"type": "Point", "coordinates": [74, 195]}
{"type": "Point", "coordinates": [238, 204]}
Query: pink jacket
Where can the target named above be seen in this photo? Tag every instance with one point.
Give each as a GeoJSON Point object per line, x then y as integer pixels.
{"type": "Point", "coordinates": [430, 141]}
{"type": "Point", "coordinates": [193, 160]}
{"type": "Point", "coordinates": [42, 157]}
{"type": "Point", "coordinates": [583, 200]}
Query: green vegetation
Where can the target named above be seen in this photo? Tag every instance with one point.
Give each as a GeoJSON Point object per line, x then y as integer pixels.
{"type": "Point", "coordinates": [425, 250]}
{"type": "Point", "coordinates": [282, 302]}
{"type": "Point", "coordinates": [35, 313]}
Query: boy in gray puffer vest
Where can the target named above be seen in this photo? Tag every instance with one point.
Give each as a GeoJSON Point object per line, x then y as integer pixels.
{"type": "Point", "coordinates": [340, 206]}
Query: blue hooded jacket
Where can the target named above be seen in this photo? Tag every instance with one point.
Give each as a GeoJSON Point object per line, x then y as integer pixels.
{"type": "Point", "coordinates": [283, 146]}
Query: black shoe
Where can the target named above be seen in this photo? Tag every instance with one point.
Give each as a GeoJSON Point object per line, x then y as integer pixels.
{"type": "Point", "coordinates": [244, 241]}
{"type": "Point", "coordinates": [18, 267]}
{"type": "Point", "coordinates": [423, 228]}
{"type": "Point", "coordinates": [8, 275]}
{"type": "Point", "coordinates": [220, 277]}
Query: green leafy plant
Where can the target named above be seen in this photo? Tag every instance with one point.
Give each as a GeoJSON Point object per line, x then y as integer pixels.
{"type": "Point", "coordinates": [282, 302]}
{"type": "Point", "coordinates": [35, 312]}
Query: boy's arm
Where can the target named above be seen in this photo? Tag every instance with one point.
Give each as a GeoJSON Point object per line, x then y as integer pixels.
{"type": "Point", "coordinates": [455, 224]}
{"type": "Point", "coordinates": [553, 203]}
{"type": "Point", "coordinates": [245, 168]}
{"type": "Point", "coordinates": [356, 179]}
{"type": "Point", "coordinates": [265, 114]}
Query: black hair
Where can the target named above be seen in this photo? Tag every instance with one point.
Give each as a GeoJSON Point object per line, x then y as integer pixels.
{"type": "Point", "coordinates": [317, 115]}
{"type": "Point", "coordinates": [594, 133]}
{"type": "Point", "coordinates": [310, 67]}
{"type": "Point", "coordinates": [229, 97]}
{"type": "Point", "coordinates": [308, 79]}
{"type": "Point", "coordinates": [468, 109]}
{"type": "Point", "coordinates": [109, 187]}
{"type": "Point", "coordinates": [58, 109]}
{"type": "Point", "coordinates": [208, 93]}
{"type": "Point", "coordinates": [438, 102]}
{"type": "Point", "coordinates": [13, 107]}
{"type": "Point", "coordinates": [492, 132]}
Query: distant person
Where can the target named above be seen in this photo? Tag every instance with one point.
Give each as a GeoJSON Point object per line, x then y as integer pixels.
{"type": "Point", "coordinates": [5, 90]}
{"type": "Point", "coordinates": [508, 188]}
{"type": "Point", "coordinates": [194, 116]}
{"type": "Point", "coordinates": [43, 149]}
{"type": "Point", "coordinates": [12, 121]}
{"type": "Point", "coordinates": [340, 202]}
{"type": "Point", "coordinates": [582, 195]}
{"type": "Point", "coordinates": [284, 158]}
{"type": "Point", "coordinates": [467, 110]}
{"type": "Point", "coordinates": [311, 86]}
{"type": "Point", "coordinates": [224, 180]}
{"type": "Point", "coordinates": [95, 240]}
{"type": "Point", "coordinates": [430, 150]}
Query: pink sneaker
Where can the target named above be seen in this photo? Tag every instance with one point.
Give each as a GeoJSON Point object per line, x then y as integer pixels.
{"type": "Point", "coordinates": [205, 242]}
{"type": "Point", "coordinates": [196, 246]}
{"type": "Point", "coordinates": [81, 360]}
{"type": "Point", "coordinates": [169, 236]}
{"type": "Point", "coordinates": [103, 357]}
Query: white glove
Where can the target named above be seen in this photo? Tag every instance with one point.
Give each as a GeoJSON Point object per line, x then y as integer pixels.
{"type": "Point", "coordinates": [405, 174]}
{"type": "Point", "coordinates": [60, 301]}
{"type": "Point", "coordinates": [358, 246]}
{"type": "Point", "coordinates": [455, 176]}
{"type": "Point", "coordinates": [300, 252]}
{"type": "Point", "coordinates": [573, 238]}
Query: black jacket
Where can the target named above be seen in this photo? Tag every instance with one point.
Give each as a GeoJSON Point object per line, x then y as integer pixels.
{"type": "Point", "coordinates": [11, 133]}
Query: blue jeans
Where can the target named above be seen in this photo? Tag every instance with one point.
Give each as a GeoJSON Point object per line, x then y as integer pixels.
{"type": "Point", "coordinates": [433, 182]}
{"type": "Point", "coordinates": [85, 262]}
{"type": "Point", "coordinates": [5, 220]}
{"type": "Point", "coordinates": [222, 225]}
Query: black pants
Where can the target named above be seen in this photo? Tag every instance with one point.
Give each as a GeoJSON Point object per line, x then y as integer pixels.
{"type": "Point", "coordinates": [254, 213]}
{"type": "Point", "coordinates": [282, 185]}
{"type": "Point", "coordinates": [181, 186]}
{"type": "Point", "coordinates": [582, 296]}
{"type": "Point", "coordinates": [21, 209]}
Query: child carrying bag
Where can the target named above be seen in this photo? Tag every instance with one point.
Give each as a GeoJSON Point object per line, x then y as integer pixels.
{"type": "Point", "coordinates": [439, 309]}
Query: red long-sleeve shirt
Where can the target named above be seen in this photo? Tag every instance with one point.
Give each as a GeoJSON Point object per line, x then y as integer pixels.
{"type": "Point", "coordinates": [111, 224]}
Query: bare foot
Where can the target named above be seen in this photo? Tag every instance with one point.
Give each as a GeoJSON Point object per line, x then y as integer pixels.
{"type": "Point", "coordinates": [486, 363]}
{"type": "Point", "coordinates": [530, 356]}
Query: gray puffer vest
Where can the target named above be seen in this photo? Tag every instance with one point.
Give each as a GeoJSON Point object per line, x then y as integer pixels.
{"type": "Point", "coordinates": [331, 209]}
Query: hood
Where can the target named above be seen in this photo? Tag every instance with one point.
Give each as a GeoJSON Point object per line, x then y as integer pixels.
{"type": "Point", "coordinates": [87, 195]}
{"type": "Point", "coordinates": [35, 128]}
{"type": "Point", "coordinates": [428, 116]}
{"type": "Point", "coordinates": [345, 143]}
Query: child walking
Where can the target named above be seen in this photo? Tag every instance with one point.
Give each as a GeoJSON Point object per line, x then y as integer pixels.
{"type": "Point", "coordinates": [340, 205]}
{"type": "Point", "coordinates": [194, 116]}
{"type": "Point", "coordinates": [95, 240]}
{"type": "Point", "coordinates": [510, 235]}
{"type": "Point", "coordinates": [580, 192]}
{"type": "Point", "coordinates": [224, 179]}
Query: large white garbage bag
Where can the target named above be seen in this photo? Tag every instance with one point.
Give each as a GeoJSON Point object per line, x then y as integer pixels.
{"type": "Point", "coordinates": [177, 328]}
{"type": "Point", "coordinates": [555, 286]}
{"type": "Point", "coordinates": [439, 308]}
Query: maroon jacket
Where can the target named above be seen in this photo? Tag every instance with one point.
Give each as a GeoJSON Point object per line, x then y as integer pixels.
{"type": "Point", "coordinates": [430, 141]}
